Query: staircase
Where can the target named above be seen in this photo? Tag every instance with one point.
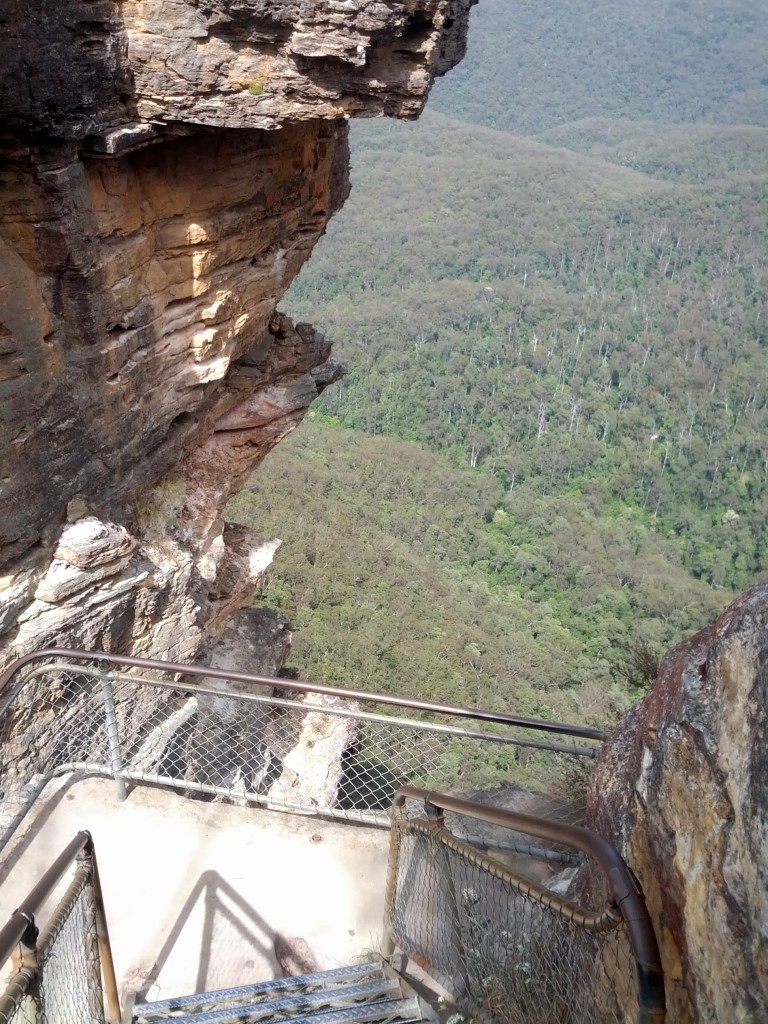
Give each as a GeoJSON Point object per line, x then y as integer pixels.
{"type": "Point", "coordinates": [464, 935]}
{"type": "Point", "coordinates": [370, 992]}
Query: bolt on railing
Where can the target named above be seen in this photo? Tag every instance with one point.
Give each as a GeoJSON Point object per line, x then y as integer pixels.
{"type": "Point", "coordinates": [511, 950]}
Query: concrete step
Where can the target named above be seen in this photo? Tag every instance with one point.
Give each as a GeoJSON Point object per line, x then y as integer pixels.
{"type": "Point", "coordinates": [364, 993]}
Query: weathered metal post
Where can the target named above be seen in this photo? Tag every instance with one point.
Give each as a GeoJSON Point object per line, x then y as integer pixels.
{"type": "Point", "coordinates": [27, 972]}
{"type": "Point", "coordinates": [388, 941]}
{"type": "Point", "coordinates": [113, 737]}
{"type": "Point", "coordinates": [101, 961]}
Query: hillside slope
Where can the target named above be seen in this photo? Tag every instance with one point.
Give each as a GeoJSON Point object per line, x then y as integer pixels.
{"type": "Point", "coordinates": [533, 66]}
{"type": "Point", "coordinates": [555, 318]}
{"type": "Point", "coordinates": [403, 573]}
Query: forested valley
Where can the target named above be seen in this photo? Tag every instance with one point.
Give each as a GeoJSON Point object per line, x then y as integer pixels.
{"type": "Point", "coordinates": [548, 460]}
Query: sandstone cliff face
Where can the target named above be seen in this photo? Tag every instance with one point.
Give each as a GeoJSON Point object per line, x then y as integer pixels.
{"type": "Point", "coordinates": [165, 170]}
{"type": "Point", "coordinates": [682, 790]}
{"type": "Point", "coordinates": [72, 69]}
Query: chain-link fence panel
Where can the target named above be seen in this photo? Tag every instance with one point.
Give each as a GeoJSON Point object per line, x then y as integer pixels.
{"type": "Point", "coordinates": [60, 982]}
{"type": "Point", "coordinates": [273, 745]}
{"type": "Point", "coordinates": [505, 950]}
{"type": "Point", "coordinates": [60, 719]}
{"type": "Point", "coordinates": [68, 957]}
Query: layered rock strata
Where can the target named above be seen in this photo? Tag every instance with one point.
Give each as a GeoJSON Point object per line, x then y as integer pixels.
{"type": "Point", "coordinates": [73, 69]}
{"type": "Point", "coordinates": [165, 169]}
{"type": "Point", "coordinates": [682, 790]}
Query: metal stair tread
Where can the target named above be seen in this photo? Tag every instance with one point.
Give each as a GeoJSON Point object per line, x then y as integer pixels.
{"type": "Point", "coordinates": [404, 1011]}
{"type": "Point", "coordinates": [318, 981]}
{"type": "Point", "coordinates": [350, 996]}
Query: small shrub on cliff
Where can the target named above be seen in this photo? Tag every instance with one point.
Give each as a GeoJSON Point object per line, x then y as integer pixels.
{"type": "Point", "coordinates": [157, 509]}
{"type": "Point", "coordinates": [640, 666]}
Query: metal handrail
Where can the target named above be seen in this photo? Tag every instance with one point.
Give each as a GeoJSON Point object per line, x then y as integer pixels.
{"type": "Point", "coordinates": [21, 928]}
{"type": "Point", "coordinates": [18, 925]}
{"type": "Point", "coordinates": [624, 886]}
{"type": "Point", "coordinates": [340, 712]}
{"type": "Point", "coordinates": [597, 921]}
{"type": "Point", "coordinates": [203, 671]}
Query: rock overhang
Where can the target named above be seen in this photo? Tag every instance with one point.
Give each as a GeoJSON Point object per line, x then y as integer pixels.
{"type": "Point", "coordinates": [116, 73]}
{"type": "Point", "coordinates": [166, 167]}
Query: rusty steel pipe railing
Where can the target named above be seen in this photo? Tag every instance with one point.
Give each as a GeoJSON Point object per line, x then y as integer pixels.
{"type": "Point", "coordinates": [624, 886]}
{"type": "Point", "coordinates": [21, 929]}
{"type": "Point", "coordinates": [203, 671]}
{"type": "Point", "coordinates": [20, 924]}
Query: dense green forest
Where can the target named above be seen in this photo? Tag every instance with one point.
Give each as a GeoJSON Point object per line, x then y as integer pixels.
{"type": "Point", "coordinates": [532, 66]}
{"type": "Point", "coordinates": [558, 318]}
{"type": "Point", "coordinates": [546, 463]}
{"type": "Point", "coordinates": [405, 573]}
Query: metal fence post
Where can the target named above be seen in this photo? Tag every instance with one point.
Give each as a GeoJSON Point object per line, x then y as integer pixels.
{"type": "Point", "coordinates": [113, 737]}
{"type": "Point", "coordinates": [388, 940]}
{"type": "Point", "coordinates": [100, 961]}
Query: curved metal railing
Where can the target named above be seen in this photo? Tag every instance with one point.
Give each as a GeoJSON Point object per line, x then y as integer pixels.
{"type": "Point", "coordinates": [281, 743]}
{"type": "Point", "coordinates": [492, 935]}
{"type": "Point", "coordinates": [203, 671]}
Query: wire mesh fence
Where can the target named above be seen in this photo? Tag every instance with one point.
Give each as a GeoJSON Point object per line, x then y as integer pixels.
{"type": "Point", "coordinates": [274, 745]}
{"type": "Point", "coordinates": [59, 979]}
{"type": "Point", "coordinates": [68, 957]}
{"type": "Point", "coordinates": [508, 938]}
{"type": "Point", "coordinates": [508, 951]}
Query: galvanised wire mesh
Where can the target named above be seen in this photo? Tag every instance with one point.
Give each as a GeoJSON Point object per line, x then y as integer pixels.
{"type": "Point", "coordinates": [68, 957]}
{"type": "Point", "coordinates": [500, 951]}
{"type": "Point", "coordinates": [309, 752]}
{"type": "Point", "coordinates": [66, 986]}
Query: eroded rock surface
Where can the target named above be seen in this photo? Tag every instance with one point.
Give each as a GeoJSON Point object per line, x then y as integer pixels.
{"type": "Point", "coordinates": [195, 60]}
{"type": "Point", "coordinates": [171, 584]}
{"type": "Point", "coordinates": [135, 287]}
{"type": "Point", "coordinates": [682, 790]}
{"type": "Point", "coordinates": [165, 169]}
{"type": "Point", "coordinates": [76, 68]}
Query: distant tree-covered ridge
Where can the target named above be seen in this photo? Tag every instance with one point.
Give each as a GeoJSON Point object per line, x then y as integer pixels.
{"type": "Point", "coordinates": [674, 152]}
{"type": "Point", "coordinates": [532, 66]}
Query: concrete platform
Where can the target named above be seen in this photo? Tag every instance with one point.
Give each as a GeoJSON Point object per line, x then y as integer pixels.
{"type": "Point", "coordinates": [195, 892]}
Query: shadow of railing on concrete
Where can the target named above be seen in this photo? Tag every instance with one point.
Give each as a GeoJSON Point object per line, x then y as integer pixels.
{"type": "Point", "coordinates": [231, 932]}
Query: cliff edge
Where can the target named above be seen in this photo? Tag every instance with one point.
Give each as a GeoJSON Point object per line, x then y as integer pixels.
{"type": "Point", "coordinates": [166, 166]}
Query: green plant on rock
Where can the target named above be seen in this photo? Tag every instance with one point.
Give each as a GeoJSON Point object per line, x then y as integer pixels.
{"type": "Point", "coordinates": [157, 509]}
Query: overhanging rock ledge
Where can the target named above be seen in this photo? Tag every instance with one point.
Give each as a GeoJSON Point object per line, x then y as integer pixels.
{"type": "Point", "coordinates": [165, 170]}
